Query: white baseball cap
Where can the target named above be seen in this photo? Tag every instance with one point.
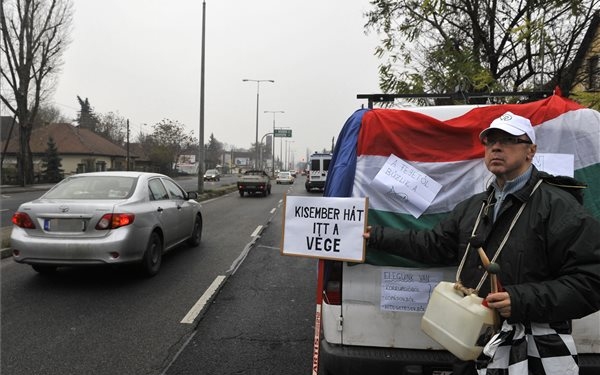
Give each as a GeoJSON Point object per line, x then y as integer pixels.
{"type": "Point", "coordinates": [512, 124]}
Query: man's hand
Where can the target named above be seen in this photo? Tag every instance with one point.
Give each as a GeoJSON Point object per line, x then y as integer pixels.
{"type": "Point", "coordinates": [367, 234]}
{"type": "Point", "coordinates": [501, 302]}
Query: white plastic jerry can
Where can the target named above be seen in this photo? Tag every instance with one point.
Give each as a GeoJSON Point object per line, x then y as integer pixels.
{"type": "Point", "coordinates": [459, 323]}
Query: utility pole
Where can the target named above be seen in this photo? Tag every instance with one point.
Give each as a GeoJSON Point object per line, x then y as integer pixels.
{"type": "Point", "coordinates": [201, 135]}
{"type": "Point", "coordinates": [258, 81]}
{"type": "Point", "coordinates": [127, 159]}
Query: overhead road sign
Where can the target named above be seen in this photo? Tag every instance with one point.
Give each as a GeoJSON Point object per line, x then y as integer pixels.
{"type": "Point", "coordinates": [283, 133]}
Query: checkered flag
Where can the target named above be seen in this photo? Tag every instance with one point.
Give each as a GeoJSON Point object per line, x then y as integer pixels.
{"type": "Point", "coordinates": [536, 349]}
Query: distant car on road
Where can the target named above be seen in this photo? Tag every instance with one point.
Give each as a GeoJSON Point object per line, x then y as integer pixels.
{"type": "Point", "coordinates": [106, 218]}
{"type": "Point", "coordinates": [212, 175]}
{"type": "Point", "coordinates": [285, 178]}
{"type": "Point", "coordinates": [254, 181]}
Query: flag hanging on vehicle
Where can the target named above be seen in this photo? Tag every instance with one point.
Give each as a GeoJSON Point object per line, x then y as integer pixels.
{"type": "Point", "coordinates": [449, 151]}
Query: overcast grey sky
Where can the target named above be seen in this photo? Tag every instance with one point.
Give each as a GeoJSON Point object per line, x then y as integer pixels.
{"type": "Point", "coordinates": [142, 59]}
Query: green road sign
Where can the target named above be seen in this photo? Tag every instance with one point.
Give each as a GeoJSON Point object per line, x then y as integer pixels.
{"type": "Point", "coordinates": [281, 133]}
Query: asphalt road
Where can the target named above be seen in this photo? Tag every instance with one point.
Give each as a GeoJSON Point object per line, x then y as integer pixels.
{"type": "Point", "coordinates": [262, 320]}
{"type": "Point", "coordinates": [12, 200]}
{"type": "Point", "coordinates": [110, 321]}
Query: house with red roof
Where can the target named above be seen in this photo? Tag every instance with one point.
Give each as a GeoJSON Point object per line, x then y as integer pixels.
{"type": "Point", "coordinates": [80, 149]}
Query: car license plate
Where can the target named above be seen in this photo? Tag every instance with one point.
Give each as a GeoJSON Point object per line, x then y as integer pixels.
{"type": "Point", "coordinates": [64, 225]}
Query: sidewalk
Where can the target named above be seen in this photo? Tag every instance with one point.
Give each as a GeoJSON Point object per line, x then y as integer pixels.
{"type": "Point", "coordinates": [4, 236]}
{"type": "Point", "coordinates": [19, 189]}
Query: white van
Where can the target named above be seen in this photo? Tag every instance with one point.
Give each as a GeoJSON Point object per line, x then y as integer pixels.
{"type": "Point", "coordinates": [318, 167]}
{"type": "Point", "coordinates": [366, 329]}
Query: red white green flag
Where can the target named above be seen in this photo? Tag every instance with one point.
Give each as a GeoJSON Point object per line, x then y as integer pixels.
{"type": "Point", "coordinates": [446, 148]}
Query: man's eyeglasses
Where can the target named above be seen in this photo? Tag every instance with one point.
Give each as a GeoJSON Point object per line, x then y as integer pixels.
{"type": "Point", "coordinates": [504, 141]}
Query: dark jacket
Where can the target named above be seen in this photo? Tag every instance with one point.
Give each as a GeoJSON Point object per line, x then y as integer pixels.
{"type": "Point", "coordinates": [550, 265]}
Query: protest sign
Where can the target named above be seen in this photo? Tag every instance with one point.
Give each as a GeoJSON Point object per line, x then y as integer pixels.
{"type": "Point", "coordinates": [556, 164]}
{"type": "Point", "coordinates": [325, 228]}
{"type": "Point", "coordinates": [406, 185]}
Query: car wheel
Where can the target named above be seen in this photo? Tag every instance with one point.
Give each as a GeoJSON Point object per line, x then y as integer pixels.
{"type": "Point", "coordinates": [196, 236]}
{"type": "Point", "coordinates": [44, 270]}
{"type": "Point", "coordinates": [241, 193]}
{"type": "Point", "coordinates": [153, 255]}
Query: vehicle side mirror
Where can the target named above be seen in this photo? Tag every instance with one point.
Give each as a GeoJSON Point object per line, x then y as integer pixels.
{"type": "Point", "coordinates": [192, 195]}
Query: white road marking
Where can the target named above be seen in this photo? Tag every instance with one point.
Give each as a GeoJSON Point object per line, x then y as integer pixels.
{"type": "Point", "coordinates": [256, 231]}
{"type": "Point", "coordinates": [195, 310]}
{"type": "Point", "coordinates": [270, 247]}
{"type": "Point", "coordinates": [273, 210]}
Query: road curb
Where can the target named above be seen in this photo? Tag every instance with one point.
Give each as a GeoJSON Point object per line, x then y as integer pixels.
{"type": "Point", "coordinates": [5, 253]}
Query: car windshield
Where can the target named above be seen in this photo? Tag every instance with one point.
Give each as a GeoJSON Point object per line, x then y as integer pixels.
{"type": "Point", "coordinates": [284, 174]}
{"type": "Point", "coordinates": [211, 171]}
{"type": "Point", "coordinates": [93, 187]}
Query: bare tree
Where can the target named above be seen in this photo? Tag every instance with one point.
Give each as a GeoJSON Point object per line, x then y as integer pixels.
{"type": "Point", "coordinates": [34, 37]}
{"type": "Point", "coordinates": [49, 114]}
{"type": "Point", "coordinates": [476, 45]}
{"type": "Point", "coordinates": [165, 144]}
{"type": "Point", "coordinates": [112, 126]}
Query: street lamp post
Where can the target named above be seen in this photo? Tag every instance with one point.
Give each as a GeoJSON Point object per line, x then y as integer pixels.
{"type": "Point", "coordinates": [286, 154]}
{"type": "Point", "coordinates": [261, 141]}
{"type": "Point", "coordinates": [273, 142]}
{"type": "Point", "coordinates": [201, 154]}
{"type": "Point", "coordinates": [258, 81]}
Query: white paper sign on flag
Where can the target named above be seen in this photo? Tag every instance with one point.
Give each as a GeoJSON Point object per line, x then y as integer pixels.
{"type": "Point", "coordinates": [406, 185]}
{"type": "Point", "coordinates": [556, 164]}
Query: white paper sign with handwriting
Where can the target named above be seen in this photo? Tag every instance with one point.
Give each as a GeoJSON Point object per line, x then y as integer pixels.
{"type": "Point", "coordinates": [406, 185]}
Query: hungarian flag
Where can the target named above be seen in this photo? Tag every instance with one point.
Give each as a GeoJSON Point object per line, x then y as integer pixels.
{"type": "Point", "coordinates": [447, 150]}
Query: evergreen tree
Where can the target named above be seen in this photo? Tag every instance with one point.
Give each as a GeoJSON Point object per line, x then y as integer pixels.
{"type": "Point", "coordinates": [87, 118]}
{"type": "Point", "coordinates": [51, 163]}
{"type": "Point", "coordinates": [214, 151]}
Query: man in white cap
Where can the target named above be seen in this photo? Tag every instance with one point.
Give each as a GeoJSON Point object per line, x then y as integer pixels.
{"type": "Point", "coordinates": [509, 149]}
{"type": "Point", "coordinates": [545, 243]}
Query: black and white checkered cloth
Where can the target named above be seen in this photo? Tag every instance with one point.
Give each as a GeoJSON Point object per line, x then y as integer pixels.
{"type": "Point", "coordinates": [532, 349]}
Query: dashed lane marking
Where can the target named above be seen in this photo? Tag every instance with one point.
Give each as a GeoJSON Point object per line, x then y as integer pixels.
{"type": "Point", "coordinates": [197, 308]}
{"type": "Point", "coordinates": [257, 231]}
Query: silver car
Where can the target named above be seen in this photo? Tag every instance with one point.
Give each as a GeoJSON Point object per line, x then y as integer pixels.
{"type": "Point", "coordinates": [212, 175]}
{"type": "Point", "coordinates": [284, 178]}
{"type": "Point", "coordinates": [106, 218]}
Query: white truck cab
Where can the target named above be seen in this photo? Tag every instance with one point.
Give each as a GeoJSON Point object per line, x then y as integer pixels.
{"type": "Point", "coordinates": [318, 167]}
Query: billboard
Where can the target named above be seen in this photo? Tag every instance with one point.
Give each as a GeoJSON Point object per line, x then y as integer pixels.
{"type": "Point", "coordinates": [242, 162]}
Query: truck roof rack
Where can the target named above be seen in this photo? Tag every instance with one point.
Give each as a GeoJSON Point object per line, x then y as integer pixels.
{"type": "Point", "coordinates": [386, 98]}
